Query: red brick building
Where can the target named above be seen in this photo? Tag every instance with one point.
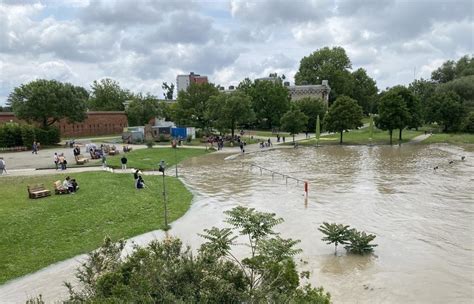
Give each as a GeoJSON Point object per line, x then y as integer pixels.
{"type": "Point", "coordinates": [96, 123]}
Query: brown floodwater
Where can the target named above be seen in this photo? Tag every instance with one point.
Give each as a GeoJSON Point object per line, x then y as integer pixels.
{"type": "Point", "coordinates": [423, 218]}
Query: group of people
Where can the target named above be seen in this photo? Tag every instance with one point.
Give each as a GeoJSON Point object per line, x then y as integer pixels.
{"type": "Point", "coordinates": [70, 184]}
{"type": "Point", "coordinates": [35, 147]}
{"type": "Point", "coordinates": [283, 138]}
{"type": "Point", "coordinates": [139, 182]}
{"type": "Point", "coordinates": [60, 161]}
{"type": "Point", "coordinates": [266, 144]}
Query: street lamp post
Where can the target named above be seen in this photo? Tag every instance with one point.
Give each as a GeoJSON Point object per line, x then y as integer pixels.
{"type": "Point", "coordinates": [162, 169]}
{"type": "Point", "coordinates": [176, 159]}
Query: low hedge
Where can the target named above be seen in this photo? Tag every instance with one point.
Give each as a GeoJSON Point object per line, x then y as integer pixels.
{"type": "Point", "coordinates": [14, 135]}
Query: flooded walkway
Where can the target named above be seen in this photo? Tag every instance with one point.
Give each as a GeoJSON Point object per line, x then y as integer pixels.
{"type": "Point", "coordinates": [423, 219]}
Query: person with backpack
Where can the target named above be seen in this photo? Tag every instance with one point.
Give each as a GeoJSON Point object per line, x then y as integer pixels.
{"type": "Point", "coordinates": [124, 160]}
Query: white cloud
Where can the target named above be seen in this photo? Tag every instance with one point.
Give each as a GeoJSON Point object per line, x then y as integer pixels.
{"type": "Point", "coordinates": [142, 43]}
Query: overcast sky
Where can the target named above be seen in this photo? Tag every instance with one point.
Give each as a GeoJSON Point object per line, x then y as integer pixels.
{"type": "Point", "coordinates": [142, 43]}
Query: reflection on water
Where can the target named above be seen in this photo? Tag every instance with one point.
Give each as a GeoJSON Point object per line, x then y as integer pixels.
{"type": "Point", "coordinates": [423, 218]}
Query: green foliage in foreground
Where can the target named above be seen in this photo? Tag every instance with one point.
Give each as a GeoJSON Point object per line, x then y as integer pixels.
{"type": "Point", "coordinates": [356, 241]}
{"type": "Point", "coordinates": [165, 272]}
{"type": "Point", "coordinates": [37, 233]}
{"type": "Point", "coordinates": [148, 159]}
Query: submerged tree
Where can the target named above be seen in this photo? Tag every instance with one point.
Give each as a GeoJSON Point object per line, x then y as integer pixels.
{"type": "Point", "coordinates": [359, 242]}
{"type": "Point", "coordinates": [335, 233]}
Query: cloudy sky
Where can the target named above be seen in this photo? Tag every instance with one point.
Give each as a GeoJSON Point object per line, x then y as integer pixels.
{"type": "Point", "coordinates": [142, 43]}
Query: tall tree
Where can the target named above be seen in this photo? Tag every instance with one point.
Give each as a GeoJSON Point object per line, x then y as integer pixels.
{"type": "Point", "coordinates": [107, 95]}
{"type": "Point", "coordinates": [343, 115]}
{"type": "Point", "coordinates": [413, 105]}
{"type": "Point", "coordinates": [423, 89]}
{"type": "Point", "coordinates": [48, 101]}
{"type": "Point", "coordinates": [393, 113]}
{"type": "Point", "coordinates": [270, 100]}
{"type": "Point", "coordinates": [228, 111]}
{"type": "Point", "coordinates": [191, 107]}
{"type": "Point", "coordinates": [294, 121]}
{"type": "Point", "coordinates": [447, 109]}
{"type": "Point", "coordinates": [168, 90]}
{"type": "Point", "coordinates": [143, 108]}
{"type": "Point", "coordinates": [365, 90]}
{"type": "Point", "coordinates": [444, 73]}
{"type": "Point", "coordinates": [311, 107]}
{"type": "Point", "coordinates": [331, 64]}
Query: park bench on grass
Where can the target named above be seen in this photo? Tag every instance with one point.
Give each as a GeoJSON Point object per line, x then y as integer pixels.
{"type": "Point", "coordinates": [37, 191]}
{"type": "Point", "coordinates": [59, 189]}
{"type": "Point", "coordinates": [81, 160]}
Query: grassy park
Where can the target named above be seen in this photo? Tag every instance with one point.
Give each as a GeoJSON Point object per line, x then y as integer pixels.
{"type": "Point", "coordinates": [450, 138]}
{"type": "Point", "coordinates": [148, 159]}
{"type": "Point", "coordinates": [37, 233]}
{"type": "Point", "coordinates": [361, 137]}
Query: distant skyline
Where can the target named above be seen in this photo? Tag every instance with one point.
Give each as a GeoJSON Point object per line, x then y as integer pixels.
{"type": "Point", "coordinates": [142, 43]}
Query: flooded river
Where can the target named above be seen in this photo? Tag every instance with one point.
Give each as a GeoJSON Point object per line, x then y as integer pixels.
{"type": "Point", "coordinates": [423, 219]}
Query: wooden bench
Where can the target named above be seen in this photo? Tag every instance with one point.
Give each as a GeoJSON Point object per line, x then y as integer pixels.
{"type": "Point", "coordinates": [59, 189]}
{"type": "Point", "coordinates": [37, 191]}
{"type": "Point", "coordinates": [81, 160]}
{"type": "Point", "coordinates": [113, 152]}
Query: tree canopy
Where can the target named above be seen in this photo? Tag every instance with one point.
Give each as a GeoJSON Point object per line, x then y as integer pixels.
{"type": "Point", "coordinates": [107, 95]}
{"type": "Point", "coordinates": [451, 70]}
{"type": "Point", "coordinates": [228, 111]}
{"type": "Point", "coordinates": [143, 108]}
{"type": "Point", "coordinates": [192, 105]}
{"type": "Point", "coordinates": [270, 100]}
{"type": "Point", "coordinates": [365, 90]}
{"type": "Point", "coordinates": [393, 113]}
{"type": "Point", "coordinates": [330, 64]}
{"type": "Point", "coordinates": [294, 121]}
{"type": "Point", "coordinates": [48, 101]}
{"type": "Point", "coordinates": [343, 115]}
{"type": "Point", "coordinates": [311, 107]}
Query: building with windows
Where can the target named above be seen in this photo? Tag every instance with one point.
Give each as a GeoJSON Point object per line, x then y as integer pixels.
{"type": "Point", "coordinates": [184, 81]}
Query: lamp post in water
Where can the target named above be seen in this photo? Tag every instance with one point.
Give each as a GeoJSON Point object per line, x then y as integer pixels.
{"type": "Point", "coordinates": [162, 169]}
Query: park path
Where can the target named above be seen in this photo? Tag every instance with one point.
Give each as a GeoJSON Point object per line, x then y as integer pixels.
{"type": "Point", "coordinates": [419, 138]}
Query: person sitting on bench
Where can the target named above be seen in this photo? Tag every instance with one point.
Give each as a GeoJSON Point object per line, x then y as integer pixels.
{"type": "Point", "coordinates": [70, 184]}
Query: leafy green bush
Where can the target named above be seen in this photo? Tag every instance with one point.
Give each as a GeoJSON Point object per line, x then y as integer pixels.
{"type": "Point", "coordinates": [355, 241]}
{"type": "Point", "coordinates": [165, 272]}
{"type": "Point", "coordinates": [27, 135]}
{"type": "Point", "coordinates": [359, 242]}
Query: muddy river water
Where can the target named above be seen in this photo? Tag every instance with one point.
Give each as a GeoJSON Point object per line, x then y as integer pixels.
{"type": "Point", "coordinates": [423, 218]}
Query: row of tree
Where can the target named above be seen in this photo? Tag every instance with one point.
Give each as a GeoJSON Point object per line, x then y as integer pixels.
{"type": "Point", "coordinates": [447, 99]}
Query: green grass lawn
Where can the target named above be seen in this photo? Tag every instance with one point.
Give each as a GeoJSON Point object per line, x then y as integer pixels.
{"type": "Point", "coordinates": [361, 137]}
{"type": "Point", "coordinates": [37, 233]}
{"type": "Point", "coordinates": [148, 159]}
{"type": "Point", "coordinates": [451, 138]}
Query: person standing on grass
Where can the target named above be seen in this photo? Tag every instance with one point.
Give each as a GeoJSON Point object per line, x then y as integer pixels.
{"type": "Point", "coordinates": [3, 166]}
{"type": "Point", "coordinates": [124, 160]}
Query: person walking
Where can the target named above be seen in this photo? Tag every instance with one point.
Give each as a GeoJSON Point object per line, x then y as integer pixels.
{"type": "Point", "coordinates": [3, 166]}
{"type": "Point", "coordinates": [124, 160]}
{"type": "Point", "coordinates": [56, 160]}
{"type": "Point", "coordinates": [104, 161]}
{"type": "Point", "coordinates": [35, 148]}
